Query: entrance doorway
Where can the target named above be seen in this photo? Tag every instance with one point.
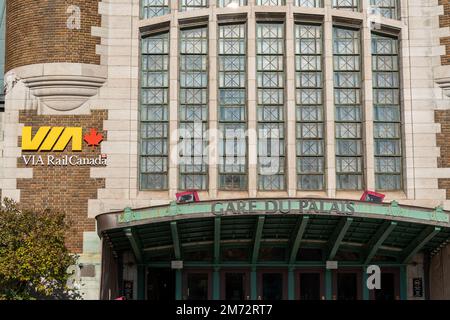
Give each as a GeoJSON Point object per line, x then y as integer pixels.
{"type": "Point", "coordinates": [235, 286]}
{"type": "Point", "coordinates": [347, 285]}
{"type": "Point", "coordinates": [160, 284]}
{"type": "Point", "coordinates": [387, 291]}
{"type": "Point", "coordinates": [390, 285]}
{"type": "Point", "coordinates": [197, 286]}
{"type": "Point", "coordinates": [272, 285]}
{"type": "Point", "coordinates": [310, 286]}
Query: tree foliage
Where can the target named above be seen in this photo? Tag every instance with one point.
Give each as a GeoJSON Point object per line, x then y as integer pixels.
{"type": "Point", "coordinates": [33, 257]}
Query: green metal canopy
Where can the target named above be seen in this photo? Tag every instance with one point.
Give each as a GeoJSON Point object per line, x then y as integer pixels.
{"type": "Point", "coordinates": [281, 232]}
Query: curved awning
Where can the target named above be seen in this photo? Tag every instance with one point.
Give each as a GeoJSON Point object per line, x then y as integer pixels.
{"type": "Point", "coordinates": [359, 232]}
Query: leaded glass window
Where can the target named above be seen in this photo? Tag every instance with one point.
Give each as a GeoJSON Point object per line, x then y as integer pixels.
{"type": "Point", "coordinates": [229, 3]}
{"type": "Point", "coordinates": [387, 120]}
{"type": "Point", "coordinates": [232, 107]}
{"type": "Point", "coordinates": [187, 5]}
{"type": "Point", "coordinates": [270, 106]}
{"type": "Point", "coordinates": [270, 2]}
{"type": "Point", "coordinates": [347, 100]}
{"type": "Point", "coordinates": [308, 3]}
{"type": "Point", "coordinates": [351, 5]}
{"type": "Point", "coordinates": [309, 101]}
{"type": "Point", "coordinates": [386, 8]}
{"type": "Point", "coordinates": [193, 111]}
{"type": "Point", "coordinates": [154, 8]}
{"type": "Point", "coordinates": [154, 111]}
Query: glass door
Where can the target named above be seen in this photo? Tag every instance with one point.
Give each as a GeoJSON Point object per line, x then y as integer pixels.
{"type": "Point", "coordinates": [310, 286]}
{"type": "Point", "coordinates": [235, 286]}
{"type": "Point", "coordinates": [388, 286]}
{"type": "Point", "coordinates": [347, 286]}
{"type": "Point", "coordinates": [197, 286]}
{"type": "Point", "coordinates": [160, 284]}
{"type": "Point", "coordinates": [272, 286]}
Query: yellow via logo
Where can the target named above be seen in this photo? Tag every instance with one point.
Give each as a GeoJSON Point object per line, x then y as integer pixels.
{"type": "Point", "coordinates": [52, 139]}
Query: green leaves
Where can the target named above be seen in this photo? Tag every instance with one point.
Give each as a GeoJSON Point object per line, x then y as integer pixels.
{"type": "Point", "coordinates": [33, 257]}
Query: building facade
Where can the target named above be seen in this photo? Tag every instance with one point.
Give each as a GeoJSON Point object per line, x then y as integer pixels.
{"type": "Point", "coordinates": [280, 114]}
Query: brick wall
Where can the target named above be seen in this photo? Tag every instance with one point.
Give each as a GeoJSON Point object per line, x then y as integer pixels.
{"type": "Point", "coordinates": [443, 116]}
{"type": "Point", "coordinates": [443, 141]}
{"type": "Point", "coordinates": [37, 32]}
{"type": "Point", "coordinates": [444, 21]}
{"type": "Point", "coordinates": [63, 189]}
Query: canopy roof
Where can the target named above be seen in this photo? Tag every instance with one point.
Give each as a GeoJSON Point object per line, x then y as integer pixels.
{"type": "Point", "coordinates": [276, 232]}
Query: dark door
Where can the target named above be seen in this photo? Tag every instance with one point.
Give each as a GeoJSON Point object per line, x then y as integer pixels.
{"type": "Point", "coordinates": [387, 291]}
{"type": "Point", "coordinates": [197, 286]}
{"type": "Point", "coordinates": [272, 286]}
{"type": "Point", "coordinates": [309, 286]}
{"type": "Point", "coordinates": [160, 284]}
{"type": "Point", "coordinates": [234, 286]}
{"type": "Point", "coordinates": [347, 286]}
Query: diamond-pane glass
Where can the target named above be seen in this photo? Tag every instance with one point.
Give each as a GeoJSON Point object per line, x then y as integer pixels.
{"type": "Point", "coordinates": [154, 111]}
{"type": "Point", "coordinates": [232, 3]}
{"type": "Point", "coordinates": [309, 3]}
{"type": "Point", "coordinates": [310, 120]}
{"type": "Point", "coordinates": [270, 106]}
{"type": "Point", "coordinates": [193, 110]}
{"type": "Point", "coordinates": [350, 5]}
{"type": "Point", "coordinates": [232, 106]}
{"type": "Point", "coordinates": [385, 8]}
{"type": "Point", "coordinates": [347, 100]}
{"type": "Point", "coordinates": [187, 5]}
{"type": "Point", "coordinates": [387, 121]}
{"type": "Point", "coordinates": [154, 8]}
{"type": "Point", "coordinates": [270, 2]}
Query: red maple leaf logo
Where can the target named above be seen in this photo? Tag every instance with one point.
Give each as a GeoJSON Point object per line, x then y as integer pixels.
{"type": "Point", "coordinates": [93, 138]}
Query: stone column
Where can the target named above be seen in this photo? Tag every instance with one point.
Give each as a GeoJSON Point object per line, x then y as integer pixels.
{"type": "Point", "coordinates": [173, 102]}
{"type": "Point", "coordinates": [291, 155]}
{"type": "Point", "coordinates": [329, 101]}
{"type": "Point", "coordinates": [251, 103]}
{"type": "Point", "coordinates": [367, 101]}
{"type": "Point", "coordinates": [213, 155]}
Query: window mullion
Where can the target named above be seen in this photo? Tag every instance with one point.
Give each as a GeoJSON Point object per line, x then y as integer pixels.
{"type": "Point", "coordinates": [329, 112]}
{"type": "Point", "coordinates": [290, 112]}
{"type": "Point", "coordinates": [368, 109]}
{"type": "Point", "coordinates": [213, 106]}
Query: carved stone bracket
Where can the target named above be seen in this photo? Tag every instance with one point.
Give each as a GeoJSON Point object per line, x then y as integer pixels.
{"type": "Point", "coordinates": [63, 86]}
{"type": "Point", "coordinates": [442, 78]}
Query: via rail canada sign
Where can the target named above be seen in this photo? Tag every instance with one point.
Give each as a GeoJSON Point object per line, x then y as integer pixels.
{"type": "Point", "coordinates": [56, 140]}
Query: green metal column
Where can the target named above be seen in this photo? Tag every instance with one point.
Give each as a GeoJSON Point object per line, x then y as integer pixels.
{"type": "Point", "coordinates": [178, 285]}
{"type": "Point", "coordinates": [291, 284]}
{"type": "Point", "coordinates": [328, 285]}
{"type": "Point", "coordinates": [141, 282]}
{"type": "Point", "coordinates": [365, 289]}
{"type": "Point", "coordinates": [253, 285]}
{"type": "Point", "coordinates": [216, 284]}
{"type": "Point", "coordinates": [403, 283]}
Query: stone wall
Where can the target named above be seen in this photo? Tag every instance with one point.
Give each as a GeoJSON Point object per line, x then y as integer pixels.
{"type": "Point", "coordinates": [440, 275]}
{"type": "Point", "coordinates": [443, 142]}
{"type": "Point", "coordinates": [440, 263]}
